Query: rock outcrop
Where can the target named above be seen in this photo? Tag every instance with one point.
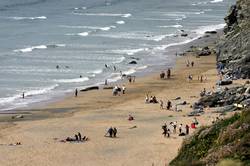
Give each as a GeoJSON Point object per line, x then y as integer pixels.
{"type": "Point", "coordinates": [233, 50]}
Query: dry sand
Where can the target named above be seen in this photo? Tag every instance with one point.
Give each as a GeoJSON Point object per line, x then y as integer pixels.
{"type": "Point", "coordinates": [91, 113]}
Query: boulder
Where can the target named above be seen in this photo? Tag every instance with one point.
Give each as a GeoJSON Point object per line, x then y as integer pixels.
{"type": "Point", "coordinates": [184, 34]}
{"type": "Point", "coordinates": [90, 88]}
{"type": "Point", "coordinates": [132, 62]}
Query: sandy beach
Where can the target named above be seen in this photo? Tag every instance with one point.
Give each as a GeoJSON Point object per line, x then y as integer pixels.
{"type": "Point", "coordinates": [138, 142]}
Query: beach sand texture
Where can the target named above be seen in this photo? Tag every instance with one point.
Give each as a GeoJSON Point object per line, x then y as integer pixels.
{"type": "Point", "coordinates": [96, 111]}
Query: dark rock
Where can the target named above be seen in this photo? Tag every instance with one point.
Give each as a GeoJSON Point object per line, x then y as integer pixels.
{"type": "Point", "coordinates": [90, 88]}
{"type": "Point", "coordinates": [184, 34]}
{"type": "Point", "coordinates": [211, 32]}
{"type": "Point", "coordinates": [225, 82]}
{"type": "Point", "coordinates": [132, 62]}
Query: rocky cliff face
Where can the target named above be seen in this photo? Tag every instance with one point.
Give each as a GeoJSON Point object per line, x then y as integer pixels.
{"type": "Point", "coordinates": [234, 48]}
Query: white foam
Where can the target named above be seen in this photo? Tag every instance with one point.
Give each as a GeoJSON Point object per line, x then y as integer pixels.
{"type": "Point", "coordinates": [216, 1]}
{"type": "Point", "coordinates": [129, 51]}
{"type": "Point", "coordinates": [202, 29]}
{"type": "Point", "coordinates": [126, 15]}
{"type": "Point", "coordinates": [83, 34]}
{"type": "Point", "coordinates": [98, 71]}
{"type": "Point", "coordinates": [161, 37]}
{"type": "Point", "coordinates": [89, 27]}
{"type": "Point", "coordinates": [171, 26]}
{"type": "Point", "coordinates": [40, 91]}
{"type": "Point", "coordinates": [163, 47]}
{"type": "Point", "coordinates": [130, 71]}
{"type": "Point", "coordinates": [74, 80]}
{"type": "Point", "coordinates": [29, 49]}
{"type": "Point", "coordinates": [29, 18]}
{"type": "Point", "coordinates": [120, 22]}
{"type": "Point", "coordinates": [120, 60]}
{"type": "Point", "coordinates": [37, 91]}
{"type": "Point", "coordinates": [142, 67]}
{"type": "Point", "coordinates": [135, 36]}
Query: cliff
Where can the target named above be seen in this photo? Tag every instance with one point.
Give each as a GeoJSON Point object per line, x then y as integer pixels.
{"type": "Point", "coordinates": [226, 142]}
{"type": "Point", "coordinates": [233, 50]}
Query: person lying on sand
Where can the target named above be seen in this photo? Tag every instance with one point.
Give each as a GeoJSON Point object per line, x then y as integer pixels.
{"type": "Point", "coordinates": [76, 138]}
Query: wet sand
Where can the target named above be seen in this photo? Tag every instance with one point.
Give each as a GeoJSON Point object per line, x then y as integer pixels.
{"type": "Point", "coordinates": [93, 112]}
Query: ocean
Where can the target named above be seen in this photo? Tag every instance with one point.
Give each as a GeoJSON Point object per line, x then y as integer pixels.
{"type": "Point", "coordinates": [50, 47]}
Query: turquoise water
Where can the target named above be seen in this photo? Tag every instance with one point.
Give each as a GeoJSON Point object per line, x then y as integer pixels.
{"type": "Point", "coordinates": [82, 36]}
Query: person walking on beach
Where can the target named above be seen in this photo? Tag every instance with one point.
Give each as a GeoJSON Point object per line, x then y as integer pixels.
{"type": "Point", "coordinates": [187, 129]}
{"type": "Point", "coordinates": [123, 89]}
{"type": "Point", "coordinates": [192, 63]}
{"type": "Point", "coordinates": [76, 92]}
{"type": "Point", "coordinates": [175, 126]}
{"type": "Point", "coordinates": [23, 95]}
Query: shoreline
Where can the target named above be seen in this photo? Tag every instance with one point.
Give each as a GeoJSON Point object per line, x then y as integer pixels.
{"type": "Point", "coordinates": [180, 49]}
{"type": "Point", "coordinates": [170, 50]}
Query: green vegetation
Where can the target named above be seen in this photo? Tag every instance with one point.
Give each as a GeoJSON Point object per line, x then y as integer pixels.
{"type": "Point", "coordinates": [227, 139]}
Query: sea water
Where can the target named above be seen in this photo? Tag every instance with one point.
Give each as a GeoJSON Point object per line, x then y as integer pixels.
{"type": "Point", "coordinates": [51, 47]}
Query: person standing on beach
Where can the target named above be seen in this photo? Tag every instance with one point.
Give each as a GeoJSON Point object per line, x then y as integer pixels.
{"type": "Point", "coordinates": [123, 89]}
{"type": "Point", "coordinates": [161, 104]}
{"type": "Point", "coordinates": [175, 126]}
{"type": "Point", "coordinates": [23, 95]}
{"type": "Point", "coordinates": [187, 129]}
{"type": "Point", "coordinates": [114, 132]}
{"type": "Point", "coordinates": [192, 63]}
{"type": "Point", "coordinates": [164, 128]}
{"type": "Point", "coordinates": [168, 73]}
{"type": "Point", "coordinates": [76, 92]}
{"type": "Point", "coordinates": [180, 128]}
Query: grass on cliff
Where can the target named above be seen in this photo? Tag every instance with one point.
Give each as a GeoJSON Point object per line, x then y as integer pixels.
{"type": "Point", "coordinates": [233, 132]}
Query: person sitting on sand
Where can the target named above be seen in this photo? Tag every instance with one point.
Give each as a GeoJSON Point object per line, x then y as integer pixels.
{"type": "Point", "coordinates": [195, 121]}
{"type": "Point", "coordinates": [168, 133]}
{"type": "Point", "coordinates": [151, 99]}
{"type": "Point", "coordinates": [76, 136]}
{"type": "Point", "coordinates": [79, 136]}
{"type": "Point", "coordinates": [114, 132]}
{"type": "Point", "coordinates": [110, 132]}
{"type": "Point", "coordinates": [154, 100]}
{"type": "Point", "coordinates": [130, 117]}
{"type": "Point", "coordinates": [162, 75]}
